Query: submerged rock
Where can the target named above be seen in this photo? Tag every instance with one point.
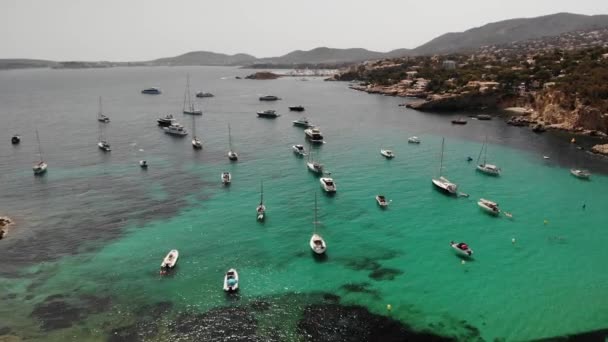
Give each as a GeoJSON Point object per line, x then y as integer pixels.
{"type": "Point", "coordinates": [221, 324]}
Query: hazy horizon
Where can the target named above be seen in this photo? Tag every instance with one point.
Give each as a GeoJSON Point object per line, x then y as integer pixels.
{"type": "Point", "coordinates": [143, 30]}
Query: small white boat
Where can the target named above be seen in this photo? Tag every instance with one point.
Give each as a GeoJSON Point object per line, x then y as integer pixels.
{"type": "Point", "coordinates": [143, 164]}
{"type": "Point", "coordinates": [175, 129]}
{"type": "Point", "coordinates": [40, 167]}
{"type": "Point", "coordinates": [489, 206]}
{"type": "Point", "coordinates": [462, 249]}
{"type": "Point", "coordinates": [100, 116]}
{"type": "Point", "coordinates": [226, 178]}
{"type": "Point", "coordinates": [169, 261]}
{"type": "Point", "coordinates": [489, 169]}
{"type": "Point", "coordinates": [582, 174]}
{"type": "Point", "coordinates": [546, 157]}
{"type": "Point", "coordinates": [104, 146]}
{"type": "Point", "coordinates": [315, 167]}
{"type": "Point", "coordinates": [413, 140]}
{"type": "Point", "coordinates": [299, 150]}
{"type": "Point", "coordinates": [445, 185]}
{"type": "Point", "coordinates": [261, 208]}
{"type": "Point", "coordinates": [328, 184]}
{"type": "Point", "coordinates": [317, 244]}
{"type": "Point", "coordinates": [231, 280]}
{"type": "Point", "coordinates": [314, 135]}
{"type": "Point", "coordinates": [303, 122]}
{"type": "Point", "coordinates": [232, 155]}
{"type": "Point", "coordinates": [382, 202]}
{"type": "Point", "coordinates": [196, 143]}
{"type": "Point", "coordinates": [387, 153]}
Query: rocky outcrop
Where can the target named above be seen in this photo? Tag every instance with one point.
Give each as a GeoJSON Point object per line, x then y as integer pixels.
{"type": "Point", "coordinates": [558, 111]}
{"type": "Point", "coordinates": [601, 149]}
{"type": "Point", "coordinates": [5, 222]}
{"type": "Point", "coordinates": [453, 102]}
{"type": "Point", "coordinates": [263, 75]}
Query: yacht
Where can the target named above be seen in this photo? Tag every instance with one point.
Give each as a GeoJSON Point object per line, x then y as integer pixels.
{"type": "Point", "coordinates": [203, 94]}
{"type": "Point", "coordinates": [387, 153]}
{"type": "Point", "coordinates": [16, 139]}
{"type": "Point", "coordinates": [489, 206]}
{"type": "Point", "coordinates": [442, 183]}
{"type": "Point", "coordinates": [582, 174]}
{"type": "Point", "coordinates": [176, 129]}
{"type": "Point", "coordinates": [226, 178]}
{"type": "Point", "coordinates": [188, 107]}
{"type": "Point", "coordinates": [104, 146]}
{"type": "Point", "coordinates": [328, 184]}
{"type": "Point", "coordinates": [169, 261]}
{"type": "Point", "coordinates": [299, 150]}
{"type": "Point", "coordinates": [303, 122]}
{"type": "Point", "coordinates": [382, 202]}
{"type": "Point", "coordinates": [314, 135]}
{"type": "Point", "coordinates": [232, 155]}
{"type": "Point", "coordinates": [269, 113]}
{"type": "Point", "coordinates": [40, 167]}
{"type": "Point", "coordinates": [296, 108]}
{"type": "Point", "coordinates": [317, 244]}
{"type": "Point", "coordinates": [231, 280]}
{"type": "Point", "coordinates": [462, 249]}
{"type": "Point", "coordinates": [413, 140]}
{"type": "Point", "coordinates": [151, 91]}
{"type": "Point", "coordinates": [484, 167]}
{"type": "Point", "coordinates": [268, 98]}
{"type": "Point", "coordinates": [165, 121]}
{"type": "Point", "coordinates": [100, 116]}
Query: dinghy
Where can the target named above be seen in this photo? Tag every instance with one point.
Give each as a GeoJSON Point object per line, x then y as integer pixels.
{"type": "Point", "coordinates": [582, 174]}
{"type": "Point", "coordinates": [382, 202]}
{"type": "Point", "coordinates": [226, 178]}
{"type": "Point", "coordinates": [462, 249]}
{"type": "Point", "coordinates": [169, 261]}
{"type": "Point", "coordinates": [231, 280]}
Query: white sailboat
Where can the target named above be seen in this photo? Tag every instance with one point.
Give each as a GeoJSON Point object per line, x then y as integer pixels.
{"type": "Point", "coordinates": [312, 165]}
{"type": "Point", "coordinates": [443, 183]}
{"type": "Point", "coordinates": [232, 155]}
{"type": "Point", "coordinates": [40, 167]}
{"type": "Point", "coordinates": [261, 208]}
{"type": "Point", "coordinates": [196, 142]}
{"type": "Point", "coordinates": [103, 143]}
{"type": "Point", "coordinates": [100, 116]}
{"type": "Point", "coordinates": [317, 244]}
{"type": "Point", "coordinates": [484, 167]}
{"type": "Point", "coordinates": [189, 108]}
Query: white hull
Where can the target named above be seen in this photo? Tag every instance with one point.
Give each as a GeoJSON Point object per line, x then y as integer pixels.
{"type": "Point", "coordinates": [233, 155]}
{"type": "Point", "coordinates": [328, 184]}
{"type": "Point", "coordinates": [445, 185]}
{"type": "Point", "coordinates": [413, 140]}
{"type": "Point", "coordinates": [489, 207]}
{"type": "Point", "coordinates": [261, 212]}
{"type": "Point", "coordinates": [382, 202]}
{"type": "Point", "coordinates": [468, 252]}
{"type": "Point", "coordinates": [231, 274]}
{"type": "Point", "coordinates": [143, 164]}
{"type": "Point", "coordinates": [489, 169]}
{"type": "Point", "coordinates": [387, 153]}
{"type": "Point", "coordinates": [317, 244]}
{"type": "Point", "coordinates": [196, 144]}
{"type": "Point", "coordinates": [315, 167]}
{"type": "Point", "coordinates": [170, 260]}
{"type": "Point", "coordinates": [226, 178]}
{"type": "Point", "coordinates": [39, 168]}
{"type": "Point", "coordinates": [176, 132]}
{"type": "Point", "coordinates": [582, 174]}
{"type": "Point", "coordinates": [299, 150]}
{"type": "Point", "coordinates": [104, 147]}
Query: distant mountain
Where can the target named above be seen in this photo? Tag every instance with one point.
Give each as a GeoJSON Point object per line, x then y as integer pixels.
{"type": "Point", "coordinates": [205, 58]}
{"type": "Point", "coordinates": [323, 55]}
{"type": "Point", "coordinates": [507, 31]}
{"type": "Point", "coordinates": [22, 63]}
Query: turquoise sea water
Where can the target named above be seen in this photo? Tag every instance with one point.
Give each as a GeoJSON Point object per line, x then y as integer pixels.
{"type": "Point", "coordinates": [98, 225]}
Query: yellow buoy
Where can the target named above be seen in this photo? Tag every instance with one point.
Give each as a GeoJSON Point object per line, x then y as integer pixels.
{"type": "Point", "coordinates": [389, 307]}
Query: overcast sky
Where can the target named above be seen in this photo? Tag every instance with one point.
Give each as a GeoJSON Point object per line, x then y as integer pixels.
{"type": "Point", "coordinates": [130, 30]}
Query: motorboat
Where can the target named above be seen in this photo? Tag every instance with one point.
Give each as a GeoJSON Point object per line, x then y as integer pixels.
{"type": "Point", "coordinates": [317, 244]}
{"type": "Point", "coordinates": [442, 183]}
{"type": "Point", "coordinates": [165, 121]}
{"type": "Point", "coordinates": [462, 249]}
{"type": "Point", "coordinates": [104, 146]}
{"type": "Point", "coordinates": [151, 91]}
{"type": "Point", "coordinates": [483, 117]}
{"type": "Point", "coordinates": [226, 178]}
{"type": "Point", "coordinates": [387, 153]}
{"type": "Point", "coordinates": [268, 98]}
{"type": "Point", "coordinates": [489, 206]}
{"type": "Point", "coordinates": [315, 167]}
{"type": "Point", "coordinates": [459, 121]}
{"type": "Point", "coordinates": [169, 261]}
{"type": "Point", "coordinates": [299, 150]}
{"type": "Point", "coordinates": [413, 140]}
{"type": "Point", "coordinates": [192, 111]}
{"type": "Point", "coordinates": [296, 108]}
{"type": "Point", "coordinates": [328, 184]}
{"type": "Point", "coordinates": [489, 169]}
{"type": "Point", "coordinates": [484, 167]}
{"type": "Point", "coordinates": [196, 143]}
{"type": "Point", "coordinates": [382, 202]}
{"type": "Point", "coordinates": [582, 174]}
{"type": "Point", "coordinates": [261, 208]}
{"type": "Point", "coordinates": [143, 164]}
{"type": "Point", "coordinates": [269, 113]}
{"type": "Point", "coordinates": [314, 135]}
{"type": "Point", "coordinates": [176, 129]}
{"type": "Point", "coordinates": [231, 280]}
{"type": "Point", "coordinates": [40, 167]}
{"type": "Point", "coordinates": [188, 107]}
{"type": "Point", "coordinates": [303, 122]}
{"type": "Point", "coordinates": [16, 139]}
{"type": "Point", "coordinates": [103, 118]}
{"type": "Point", "coordinates": [200, 94]}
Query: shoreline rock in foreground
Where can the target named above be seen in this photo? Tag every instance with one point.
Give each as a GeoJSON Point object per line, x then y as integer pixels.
{"type": "Point", "coordinates": [600, 149]}
{"type": "Point", "coordinates": [5, 222]}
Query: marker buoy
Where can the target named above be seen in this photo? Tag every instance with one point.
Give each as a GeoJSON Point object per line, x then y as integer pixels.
{"type": "Point", "coordinates": [462, 262]}
{"type": "Point", "coordinates": [546, 222]}
{"type": "Point", "coordinates": [389, 307]}
{"type": "Point", "coordinates": [513, 240]}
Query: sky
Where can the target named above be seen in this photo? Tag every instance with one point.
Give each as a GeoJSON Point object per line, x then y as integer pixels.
{"type": "Point", "coordinates": [137, 30]}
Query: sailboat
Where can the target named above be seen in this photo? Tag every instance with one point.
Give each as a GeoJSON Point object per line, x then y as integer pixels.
{"type": "Point", "coordinates": [261, 208]}
{"type": "Point", "coordinates": [189, 109]}
{"type": "Point", "coordinates": [443, 183]}
{"type": "Point", "coordinates": [100, 116]}
{"type": "Point", "coordinates": [40, 167]}
{"type": "Point", "coordinates": [317, 244]}
{"type": "Point", "coordinates": [103, 144]}
{"type": "Point", "coordinates": [312, 165]}
{"type": "Point", "coordinates": [231, 154]}
{"type": "Point", "coordinates": [486, 168]}
{"type": "Point", "coordinates": [196, 143]}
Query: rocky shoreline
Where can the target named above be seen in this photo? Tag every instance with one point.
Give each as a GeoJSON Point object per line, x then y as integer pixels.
{"type": "Point", "coordinates": [5, 223]}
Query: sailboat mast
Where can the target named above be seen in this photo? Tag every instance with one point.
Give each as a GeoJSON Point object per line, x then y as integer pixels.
{"type": "Point", "coordinates": [193, 127]}
{"type": "Point", "coordinates": [39, 147]}
{"type": "Point", "coordinates": [485, 151]}
{"type": "Point", "coordinates": [441, 161]}
{"type": "Point", "coordinates": [229, 138]}
{"type": "Point", "coordinates": [188, 93]}
{"type": "Point", "coordinates": [261, 192]}
{"type": "Point", "coordinates": [315, 214]}
{"type": "Point", "coordinates": [100, 108]}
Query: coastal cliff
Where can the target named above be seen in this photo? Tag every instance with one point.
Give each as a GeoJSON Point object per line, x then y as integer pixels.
{"type": "Point", "coordinates": [559, 111]}
{"type": "Point", "coordinates": [455, 102]}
